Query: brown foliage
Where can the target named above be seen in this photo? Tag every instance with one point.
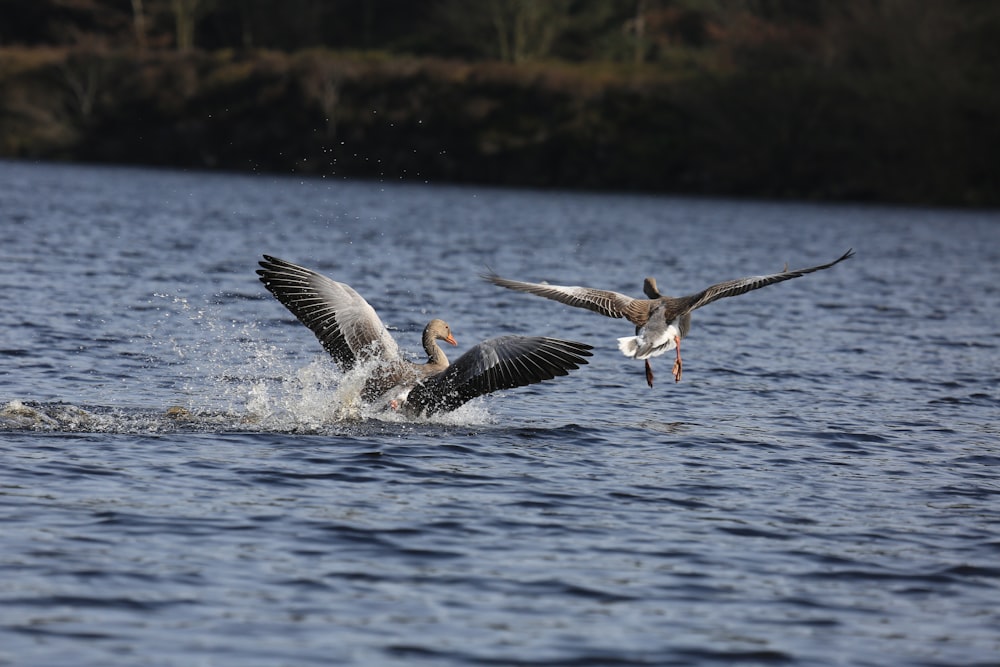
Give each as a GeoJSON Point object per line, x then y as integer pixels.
{"type": "Point", "coordinates": [784, 131]}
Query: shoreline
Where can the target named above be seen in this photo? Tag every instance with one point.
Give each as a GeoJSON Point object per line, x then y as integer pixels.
{"type": "Point", "coordinates": [787, 134]}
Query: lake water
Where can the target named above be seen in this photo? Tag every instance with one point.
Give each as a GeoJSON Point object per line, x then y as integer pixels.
{"type": "Point", "coordinates": [822, 488]}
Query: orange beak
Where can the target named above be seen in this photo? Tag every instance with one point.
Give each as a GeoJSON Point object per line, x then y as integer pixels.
{"type": "Point", "coordinates": [451, 339]}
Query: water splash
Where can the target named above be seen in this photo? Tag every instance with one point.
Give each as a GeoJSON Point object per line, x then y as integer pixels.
{"type": "Point", "coordinates": [318, 394]}
{"type": "Point", "coordinates": [220, 374]}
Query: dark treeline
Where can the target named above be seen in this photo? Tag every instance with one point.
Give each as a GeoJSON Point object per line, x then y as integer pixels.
{"type": "Point", "coordinates": [511, 30]}
{"type": "Point", "coordinates": [888, 100]}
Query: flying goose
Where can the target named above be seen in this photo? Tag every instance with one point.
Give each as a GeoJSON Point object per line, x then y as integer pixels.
{"type": "Point", "coordinates": [660, 321]}
{"type": "Point", "coordinates": [351, 331]}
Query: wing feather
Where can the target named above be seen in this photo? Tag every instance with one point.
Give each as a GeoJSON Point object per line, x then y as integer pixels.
{"type": "Point", "coordinates": [750, 283]}
{"type": "Point", "coordinates": [345, 324]}
{"type": "Point", "coordinates": [605, 302]}
{"type": "Point", "coordinates": [504, 362]}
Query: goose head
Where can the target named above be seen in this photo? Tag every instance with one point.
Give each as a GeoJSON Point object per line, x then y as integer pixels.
{"type": "Point", "coordinates": [439, 330]}
{"type": "Point", "coordinates": [650, 289]}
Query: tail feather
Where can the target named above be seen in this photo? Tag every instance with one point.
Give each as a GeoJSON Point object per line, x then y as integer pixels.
{"type": "Point", "coordinates": [644, 347]}
{"type": "Point", "coordinates": [629, 345]}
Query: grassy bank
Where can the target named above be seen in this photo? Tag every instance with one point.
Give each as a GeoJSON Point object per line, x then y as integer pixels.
{"type": "Point", "coordinates": [770, 132]}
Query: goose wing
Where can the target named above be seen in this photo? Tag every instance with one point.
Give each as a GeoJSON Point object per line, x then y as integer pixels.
{"type": "Point", "coordinates": [750, 283]}
{"type": "Point", "coordinates": [605, 302]}
{"type": "Point", "coordinates": [345, 324]}
{"type": "Point", "coordinates": [499, 363]}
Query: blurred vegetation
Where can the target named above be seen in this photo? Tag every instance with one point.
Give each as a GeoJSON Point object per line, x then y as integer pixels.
{"type": "Point", "coordinates": [879, 100]}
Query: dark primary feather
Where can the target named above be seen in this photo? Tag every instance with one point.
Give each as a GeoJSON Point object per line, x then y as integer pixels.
{"type": "Point", "coordinates": [345, 324]}
{"type": "Point", "coordinates": [750, 283]}
{"type": "Point", "coordinates": [295, 288]}
{"type": "Point", "coordinates": [499, 363]}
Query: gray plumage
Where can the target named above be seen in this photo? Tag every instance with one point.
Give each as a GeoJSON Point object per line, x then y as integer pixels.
{"type": "Point", "coordinates": [352, 332]}
{"type": "Point", "coordinates": [661, 321]}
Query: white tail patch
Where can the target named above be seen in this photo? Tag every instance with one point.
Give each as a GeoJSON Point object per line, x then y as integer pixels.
{"type": "Point", "coordinates": [629, 345]}
{"type": "Point", "coordinates": [643, 346]}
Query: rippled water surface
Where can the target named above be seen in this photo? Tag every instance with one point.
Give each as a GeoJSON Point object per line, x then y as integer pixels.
{"type": "Point", "coordinates": [184, 479]}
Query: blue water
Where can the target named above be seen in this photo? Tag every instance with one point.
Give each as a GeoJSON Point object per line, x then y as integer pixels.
{"type": "Point", "coordinates": [184, 480]}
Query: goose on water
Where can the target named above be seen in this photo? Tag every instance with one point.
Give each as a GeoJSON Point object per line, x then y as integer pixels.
{"type": "Point", "coordinates": [660, 321]}
{"type": "Point", "coordinates": [351, 331]}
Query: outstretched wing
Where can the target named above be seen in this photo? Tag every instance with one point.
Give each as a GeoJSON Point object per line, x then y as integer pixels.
{"type": "Point", "coordinates": [744, 285]}
{"type": "Point", "coordinates": [499, 363]}
{"type": "Point", "coordinates": [605, 302]}
{"type": "Point", "coordinates": [346, 325]}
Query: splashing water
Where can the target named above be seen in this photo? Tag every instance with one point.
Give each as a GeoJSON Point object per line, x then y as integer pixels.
{"type": "Point", "coordinates": [227, 377]}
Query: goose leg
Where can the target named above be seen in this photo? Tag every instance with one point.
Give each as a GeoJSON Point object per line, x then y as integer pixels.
{"type": "Point", "coordinates": [649, 374]}
{"type": "Point", "coordinates": [677, 364]}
